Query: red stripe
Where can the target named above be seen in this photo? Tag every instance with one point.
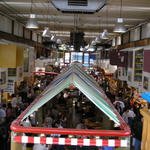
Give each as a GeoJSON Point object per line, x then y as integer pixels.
{"type": "Point", "coordinates": [104, 142]}
{"type": "Point", "coordinates": [56, 141]}
{"type": "Point", "coordinates": [80, 142]}
{"type": "Point", "coordinates": [17, 139]}
{"type": "Point", "coordinates": [118, 143]}
{"type": "Point", "coordinates": [30, 139]}
{"type": "Point", "coordinates": [92, 142]}
{"type": "Point", "coordinates": [43, 140]}
{"type": "Point", "coordinates": [55, 73]}
{"type": "Point", "coordinates": [67, 141]}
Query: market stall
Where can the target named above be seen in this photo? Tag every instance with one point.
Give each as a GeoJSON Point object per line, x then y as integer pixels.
{"type": "Point", "coordinates": [76, 76]}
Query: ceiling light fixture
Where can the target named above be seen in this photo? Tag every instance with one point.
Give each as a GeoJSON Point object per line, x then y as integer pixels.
{"type": "Point", "coordinates": [32, 22]}
{"type": "Point", "coordinates": [58, 41]}
{"type": "Point", "coordinates": [93, 42]}
{"type": "Point", "coordinates": [53, 38]}
{"type": "Point", "coordinates": [98, 38]}
{"type": "Point", "coordinates": [120, 27]}
{"type": "Point", "coordinates": [105, 34]}
{"type": "Point", "coordinates": [46, 32]}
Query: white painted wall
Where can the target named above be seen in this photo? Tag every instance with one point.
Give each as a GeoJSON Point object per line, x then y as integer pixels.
{"type": "Point", "coordinates": [105, 64]}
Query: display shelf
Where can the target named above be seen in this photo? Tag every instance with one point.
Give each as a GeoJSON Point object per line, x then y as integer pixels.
{"type": "Point", "coordinates": [138, 56]}
{"type": "Point", "coordinates": [138, 74]}
{"type": "Point", "coordinates": [138, 65]}
{"type": "Point", "coordinates": [139, 69]}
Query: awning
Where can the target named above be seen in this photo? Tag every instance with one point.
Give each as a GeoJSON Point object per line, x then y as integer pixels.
{"type": "Point", "coordinates": [146, 96]}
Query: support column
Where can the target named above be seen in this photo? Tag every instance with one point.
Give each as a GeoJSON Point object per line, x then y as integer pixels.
{"type": "Point", "coordinates": [39, 116]}
{"type": "Point", "coordinates": [146, 129]}
{"type": "Point", "coordinates": [14, 145]}
{"type": "Point", "coordinates": [125, 148]}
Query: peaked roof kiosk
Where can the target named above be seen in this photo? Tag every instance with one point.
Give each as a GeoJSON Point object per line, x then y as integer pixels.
{"type": "Point", "coordinates": [74, 75]}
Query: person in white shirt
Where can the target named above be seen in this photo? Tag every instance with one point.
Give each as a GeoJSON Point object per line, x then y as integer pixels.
{"type": "Point", "coordinates": [120, 103]}
{"type": "Point", "coordinates": [14, 101]}
{"type": "Point", "coordinates": [128, 114]}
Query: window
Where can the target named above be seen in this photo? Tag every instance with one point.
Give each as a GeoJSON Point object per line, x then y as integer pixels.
{"type": "Point", "coordinates": [67, 57]}
{"type": "Point", "coordinates": [76, 56]}
{"type": "Point", "coordinates": [11, 72]}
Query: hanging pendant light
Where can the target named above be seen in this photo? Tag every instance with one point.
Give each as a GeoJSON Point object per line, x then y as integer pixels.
{"type": "Point", "coordinates": [32, 22]}
{"type": "Point", "coordinates": [105, 35]}
{"type": "Point", "coordinates": [120, 27]}
{"type": "Point", "coordinates": [53, 38]}
{"type": "Point", "coordinates": [58, 41]}
{"type": "Point", "coordinates": [93, 42]}
{"type": "Point", "coordinates": [46, 32]}
{"type": "Point", "coordinates": [98, 39]}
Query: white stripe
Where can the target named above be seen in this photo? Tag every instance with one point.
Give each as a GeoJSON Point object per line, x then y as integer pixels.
{"type": "Point", "coordinates": [49, 140]}
{"type": "Point", "coordinates": [24, 139]}
{"type": "Point", "coordinates": [37, 140]}
{"type": "Point", "coordinates": [123, 143]}
{"type": "Point", "coordinates": [86, 142]}
{"type": "Point", "coordinates": [111, 143]}
{"type": "Point", "coordinates": [98, 142]}
{"type": "Point", "coordinates": [61, 141]}
{"type": "Point", "coordinates": [74, 141]}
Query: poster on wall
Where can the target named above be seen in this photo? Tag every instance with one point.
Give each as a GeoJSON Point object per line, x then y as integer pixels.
{"type": "Point", "coordinates": [10, 87]}
{"type": "Point", "coordinates": [3, 78]}
{"type": "Point", "coordinates": [145, 83]}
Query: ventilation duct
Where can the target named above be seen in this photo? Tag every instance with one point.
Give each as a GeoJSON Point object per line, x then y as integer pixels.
{"type": "Point", "coordinates": [78, 6]}
{"type": "Point", "coordinates": [77, 2]}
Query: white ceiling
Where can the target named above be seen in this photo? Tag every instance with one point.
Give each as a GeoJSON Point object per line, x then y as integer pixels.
{"type": "Point", "coordinates": [134, 12]}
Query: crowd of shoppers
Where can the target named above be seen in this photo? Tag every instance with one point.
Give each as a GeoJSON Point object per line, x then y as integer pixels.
{"type": "Point", "coordinates": [55, 118]}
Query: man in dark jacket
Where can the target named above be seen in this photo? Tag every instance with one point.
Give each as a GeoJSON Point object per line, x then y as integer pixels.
{"type": "Point", "coordinates": [137, 132]}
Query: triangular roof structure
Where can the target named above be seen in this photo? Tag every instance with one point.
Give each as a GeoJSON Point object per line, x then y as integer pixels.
{"type": "Point", "coordinates": [75, 75]}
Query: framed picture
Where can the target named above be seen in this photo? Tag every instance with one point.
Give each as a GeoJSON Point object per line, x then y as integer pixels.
{"type": "Point", "coordinates": [3, 77]}
{"type": "Point", "coordinates": [145, 83]}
